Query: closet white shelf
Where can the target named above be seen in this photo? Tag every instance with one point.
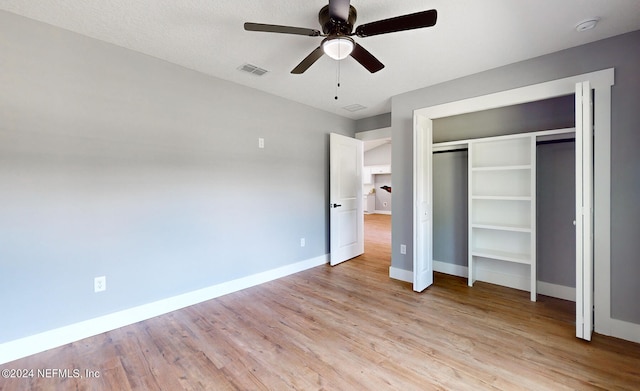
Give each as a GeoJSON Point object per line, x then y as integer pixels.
{"type": "Point", "coordinates": [501, 198]}
{"type": "Point", "coordinates": [501, 227]}
{"type": "Point", "coordinates": [502, 255]}
{"type": "Point", "coordinates": [502, 168]}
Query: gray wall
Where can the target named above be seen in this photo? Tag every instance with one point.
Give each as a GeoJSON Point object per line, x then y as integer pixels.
{"type": "Point", "coordinates": [450, 207]}
{"type": "Point", "coordinates": [555, 113]}
{"type": "Point", "coordinates": [555, 207]}
{"type": "Point", "coordinates": [375, 122]}
{"type": "Point", "coordinates": [378, 155]}
{"type": "Point", "coordinates": [119, 164]}
{"type": "Point", "coordinates": [619, 52]}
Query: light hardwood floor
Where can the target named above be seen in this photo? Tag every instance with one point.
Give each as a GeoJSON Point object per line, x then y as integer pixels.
{"type": "Point", "coordinates": [349, 327]}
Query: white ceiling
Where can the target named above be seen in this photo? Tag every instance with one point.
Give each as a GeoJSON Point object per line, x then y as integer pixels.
{"type": "Point", "coordinates": [208, 36]}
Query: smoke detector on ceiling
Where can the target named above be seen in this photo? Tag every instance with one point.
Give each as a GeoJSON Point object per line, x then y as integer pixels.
{"type": "Point", "coordinates": [587, 24]}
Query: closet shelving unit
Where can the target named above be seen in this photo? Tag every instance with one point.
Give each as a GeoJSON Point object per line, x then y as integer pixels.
{"type": "Point", "coordinates": [502, 204]}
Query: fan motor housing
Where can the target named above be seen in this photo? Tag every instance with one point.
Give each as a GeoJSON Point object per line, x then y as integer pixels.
{"type": "Point", "coordinates": [333, 26]}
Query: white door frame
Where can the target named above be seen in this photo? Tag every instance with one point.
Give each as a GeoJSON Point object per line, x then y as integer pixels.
{"type": "Point", "coordinates": [601, 82]}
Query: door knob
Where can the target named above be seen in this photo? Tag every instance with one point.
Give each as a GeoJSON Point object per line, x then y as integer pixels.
{"type": "Point", "coordinates": [335, 205]}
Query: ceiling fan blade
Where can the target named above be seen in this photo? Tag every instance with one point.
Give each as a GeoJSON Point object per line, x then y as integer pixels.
{"type": "Point", "coordinates": [399, 23]}
{"type": "Point", "coordinates": [308, 61]}
{"type": "Point", "coordinates": [339, 9]}
{"type": "Point", "coordinates": [366, 59]}
{"type": "Point", "coordinates": [273, 28]}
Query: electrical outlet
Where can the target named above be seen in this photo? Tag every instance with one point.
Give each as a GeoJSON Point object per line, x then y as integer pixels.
{"type": "Point", "coordinates": [260, 142]}
{"type": "Point", "coordinates": [303, 242]}
{"type": "Point", "coordinates": [403, 249]}
{"type": "Point", "coordinates": [100, 284]}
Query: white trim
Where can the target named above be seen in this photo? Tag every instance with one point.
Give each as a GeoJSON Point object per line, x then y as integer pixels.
{"type": "Point", "coordinates": [382, 212]}
{"type": "Point", "coordinates": [558, 291]}
{"type": "Point", "coordinates": [625, 330]}
{"type": "Point", "coordinates": [401, 274]}
{"type": "Point", "coordinates": [544, 288]}
{"type": "Point", "coordinates": [497, 277]}
{"type": "Point", "coordinates": [37, 343]}
{"type": "Point", "coordinates": [450, 268]}
{"type": "Point", "coordinates": [489, 275]}
{"type": "Point", "coordinates": [535, 92]}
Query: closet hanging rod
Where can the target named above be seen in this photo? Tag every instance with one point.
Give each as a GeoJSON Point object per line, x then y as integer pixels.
{"type": "Point", "coordinates": [451, 149]}
{"type": "Point", "coordinates": [541, 134]}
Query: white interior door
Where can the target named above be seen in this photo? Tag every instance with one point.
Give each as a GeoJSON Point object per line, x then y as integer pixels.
{"type": "Point", "coordinates": [423, 201]}
{"type": "Point", "coordinates": [584, 211]}
{"type": "Point", "coordinates": [346, 203]}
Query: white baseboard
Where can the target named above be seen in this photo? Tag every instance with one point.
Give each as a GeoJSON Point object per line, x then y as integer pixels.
{"type": "Point", "coordinates": [544, 288]}
{"type": "Point", "coordinates": [505, 279]}
{"type": "Point", "coordinates": [614, 327]}
{"type": "Point", "coordinates": [37, 343]}
{"type": "Point", "coordinates": [441, 267]}
{"type": "Point", "coordinates": [400, 274]}
{"type": "Point", "coordinates": [559, 291]}
{"type": "Point", "coordinates": [625, 330]}
{"type": "Point", "coordinates": [450, 268]}
{"type": "Point", "coordinates": [486, 275]}
{"type": "Point", "coordinates": [382, 212]}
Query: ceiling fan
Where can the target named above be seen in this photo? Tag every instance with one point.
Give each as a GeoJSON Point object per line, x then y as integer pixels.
{"type": "Point", "coordinates": [337, 20]}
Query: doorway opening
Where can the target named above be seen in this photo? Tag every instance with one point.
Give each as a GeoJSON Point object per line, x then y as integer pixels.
{"type": "Point", "coordinates": [377, 196]}
{"type": "Point", "coordinates": [377, 192]}
{"type": "Point", "coordinates": [377, 241]}
{"type": "Point", "coordinates": [554, 198]}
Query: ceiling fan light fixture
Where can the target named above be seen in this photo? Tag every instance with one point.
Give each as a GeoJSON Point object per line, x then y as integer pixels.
{"type": "Point", "coordinates": [338, 48]}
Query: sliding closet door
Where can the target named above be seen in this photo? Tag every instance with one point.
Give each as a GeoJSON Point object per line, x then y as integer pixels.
{"type": "Point", "coordinates": [584, 211]}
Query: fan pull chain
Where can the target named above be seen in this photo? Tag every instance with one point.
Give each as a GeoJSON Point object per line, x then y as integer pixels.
{"type": "Point", "coordinates": [337, 80]}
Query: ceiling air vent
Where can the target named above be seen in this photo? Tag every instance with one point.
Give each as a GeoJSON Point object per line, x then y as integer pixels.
{"type": "Point", "coordinates": [250, 68]}
{"type": "Point", "coordinates": [354, 107]}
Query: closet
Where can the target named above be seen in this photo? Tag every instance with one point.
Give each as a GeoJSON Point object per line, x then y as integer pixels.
{"type": "Point", "coordinates": [494, 237]}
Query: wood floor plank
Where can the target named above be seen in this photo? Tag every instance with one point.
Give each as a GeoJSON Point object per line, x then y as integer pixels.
{"type": "Point", "coordinates": [350, 327]}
